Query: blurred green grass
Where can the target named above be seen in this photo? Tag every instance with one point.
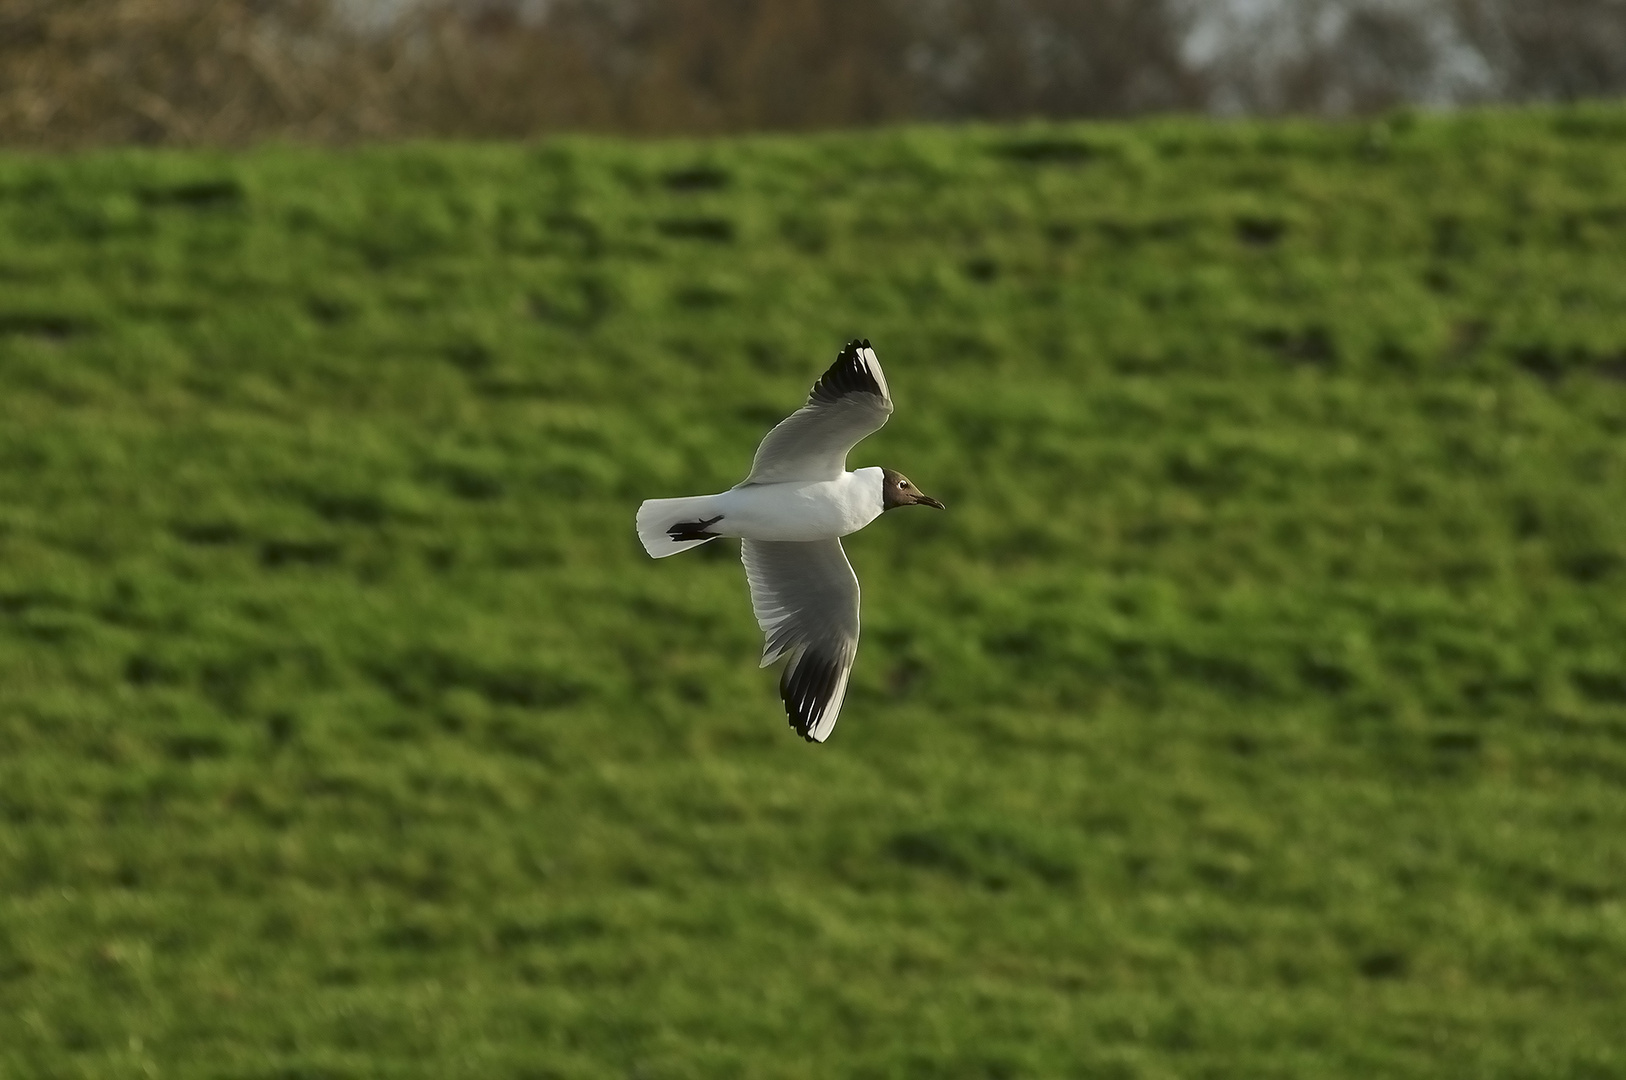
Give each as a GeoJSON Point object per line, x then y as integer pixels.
{"type": "Point", "coordinates": [1258, 709]}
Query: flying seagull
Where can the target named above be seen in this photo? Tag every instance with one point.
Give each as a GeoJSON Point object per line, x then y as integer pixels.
{"type": "Point", "coordinates": [790, 514]}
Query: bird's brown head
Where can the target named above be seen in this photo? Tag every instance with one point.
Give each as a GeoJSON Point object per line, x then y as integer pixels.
{"type": "Point", "coordinates": [896, 491]}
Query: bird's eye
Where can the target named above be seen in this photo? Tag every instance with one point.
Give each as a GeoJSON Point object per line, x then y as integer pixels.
{"type": "Point", "coordinates": [903, 483]}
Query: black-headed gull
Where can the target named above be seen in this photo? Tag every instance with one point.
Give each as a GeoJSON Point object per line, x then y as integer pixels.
{"type": "Point", "coordinates": [790, 514]}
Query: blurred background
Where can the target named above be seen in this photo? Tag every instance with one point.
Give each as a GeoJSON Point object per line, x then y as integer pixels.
{"type": "Point", "coordinates": [231, 71]}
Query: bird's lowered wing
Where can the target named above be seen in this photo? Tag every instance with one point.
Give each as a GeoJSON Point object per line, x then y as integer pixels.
{"type": "Point", "coordinates": [849, 401]}
{"type": "Point", "coordinates": [805, 596]}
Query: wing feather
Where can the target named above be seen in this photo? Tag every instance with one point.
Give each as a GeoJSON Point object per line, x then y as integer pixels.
{"type": "Point", "coordinates": [850, 401]}
{"type": "Point", "coordinates": [805, 596]}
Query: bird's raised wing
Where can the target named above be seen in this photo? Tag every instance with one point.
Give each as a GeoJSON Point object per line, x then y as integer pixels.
{"type": "Point", "coordinates": [805, 596]}
{"type": "Point", "coordinates": [847, 403]}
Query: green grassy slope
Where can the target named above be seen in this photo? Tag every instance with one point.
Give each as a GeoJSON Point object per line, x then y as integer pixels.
{"type": "Point", "coordinates": [1258, 708]}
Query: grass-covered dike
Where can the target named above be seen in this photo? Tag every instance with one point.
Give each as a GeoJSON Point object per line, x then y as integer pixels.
{"type": "Point", "coordinates": [1258, 709]}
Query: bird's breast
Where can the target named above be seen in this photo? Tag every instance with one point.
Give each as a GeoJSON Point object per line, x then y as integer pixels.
{"type": "Point", "coordinates": [798, 510]}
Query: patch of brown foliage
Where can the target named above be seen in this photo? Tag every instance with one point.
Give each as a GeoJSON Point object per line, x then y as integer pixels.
{"type": "Point", "coordinates": [229, 71]}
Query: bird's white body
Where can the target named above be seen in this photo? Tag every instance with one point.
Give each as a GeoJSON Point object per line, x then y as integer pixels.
{"type": "Point", "coordinates": [802, 510]}
{"type": "Point", "coordinates": [794, 510]}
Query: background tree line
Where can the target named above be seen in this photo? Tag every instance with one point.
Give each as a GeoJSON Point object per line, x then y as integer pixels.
{"type": "Point", "coordinates": [76, 72]}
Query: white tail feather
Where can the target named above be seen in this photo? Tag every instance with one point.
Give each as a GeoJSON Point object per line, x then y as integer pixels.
{"type": "Point", "coordinates": [656, 516]}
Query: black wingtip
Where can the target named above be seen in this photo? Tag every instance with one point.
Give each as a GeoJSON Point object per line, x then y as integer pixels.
{"type": "Point", "coordinates": [850, 374]}
{"type": "Point", "coordinates": [806, 688]}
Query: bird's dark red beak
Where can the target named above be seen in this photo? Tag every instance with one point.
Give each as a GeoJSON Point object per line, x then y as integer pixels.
{"type": "Point", "coordinates": [927, 500]}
